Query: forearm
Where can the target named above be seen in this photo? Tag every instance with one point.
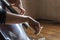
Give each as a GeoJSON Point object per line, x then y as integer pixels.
{"type": "Point", "coordinates": [15, 18]}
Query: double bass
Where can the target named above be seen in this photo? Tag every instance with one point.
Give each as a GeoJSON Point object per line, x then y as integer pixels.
{"type": "Point", "coordinates": [12, 31]}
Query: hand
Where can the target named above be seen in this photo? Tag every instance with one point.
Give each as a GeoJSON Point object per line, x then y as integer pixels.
{"type": "Point", "coordinates": [21, 11]}
{"type": "Point", "coordinates": [16, 5]}
{"type": "Point", "coordinates": [35, 25]}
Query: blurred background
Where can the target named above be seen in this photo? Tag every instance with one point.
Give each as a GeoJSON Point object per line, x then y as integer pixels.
{"type": "Point", "coordinates": [43, 9]}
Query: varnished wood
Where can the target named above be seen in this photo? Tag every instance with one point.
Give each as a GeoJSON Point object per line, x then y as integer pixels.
{"type": "Point", "coordinates": [50, 31]}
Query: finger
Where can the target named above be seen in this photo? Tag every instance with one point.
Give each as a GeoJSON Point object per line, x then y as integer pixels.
{"type": "Point", "coordinates": [37, 32]}
{"type": "Point", "coordinates": [37, 28]}
{"type": "Point", "coordinates": [22, 11]}
{"type": "Point", "coordinates": [40, 29]}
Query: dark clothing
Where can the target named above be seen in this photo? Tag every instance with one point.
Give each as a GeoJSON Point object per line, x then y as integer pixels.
{"type": "Point", "coordinates": [2, 13]}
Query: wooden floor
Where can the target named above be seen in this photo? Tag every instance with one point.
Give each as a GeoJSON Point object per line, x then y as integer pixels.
{"type": "Point", "coordinates": [50, 31]}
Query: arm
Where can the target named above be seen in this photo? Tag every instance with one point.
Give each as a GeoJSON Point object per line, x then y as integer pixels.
{"type": "Point", "coordinates": [15, 18]}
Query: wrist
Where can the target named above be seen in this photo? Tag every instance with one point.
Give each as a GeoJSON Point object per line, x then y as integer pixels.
{"type": "Point", "coordinates": [29, 19]}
